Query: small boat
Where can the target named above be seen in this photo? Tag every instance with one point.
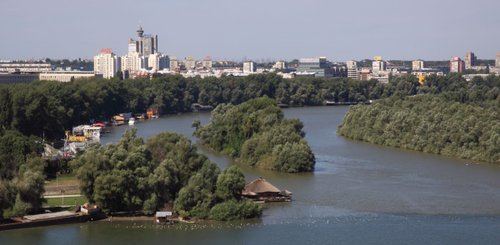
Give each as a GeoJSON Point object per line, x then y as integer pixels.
{"type": "Point", "coordinates": [131, 121]}
{"type": "Point", "coordinates": [99, 124]}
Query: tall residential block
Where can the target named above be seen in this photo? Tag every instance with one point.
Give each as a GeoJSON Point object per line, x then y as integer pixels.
{"type": "Point", "coordinates": [417, 65]}
{"type": "Point", "coordinates": [352, 69]}
{"type": "Point", "coordinates": [133, 62]}
{"type": "Point", "coordinates": [378, 65]}
{"type": "Point", "coordinates": [249, 67]}
{"type": "Point", "coordinates": [158, 61]}
{"type": "Point", "coordinates": [457, 65]}
{"type": "Point", "coordinates": [207, 63]}
{"type": "Point", "coordinates": [189, 63]}
{"type": "Point", "coordinates": [470, 60]}
{"type": "Point", "coordinates": [106, 63]}
{"type": "Point", "coordinates": [497, 62]}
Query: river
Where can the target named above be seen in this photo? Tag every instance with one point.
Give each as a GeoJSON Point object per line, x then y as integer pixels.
{"type": "Point", "coordinates": [359, 193]}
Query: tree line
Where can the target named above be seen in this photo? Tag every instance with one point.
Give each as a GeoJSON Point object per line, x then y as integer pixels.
{"type": "Point", "coordinates": [256, 133]}
{"type": "Point", "coordinates": [448, 116]}
{"type": "Point", "coordinates": [144, 176]}
{"type": "Point", "coordinates": [56, 106]}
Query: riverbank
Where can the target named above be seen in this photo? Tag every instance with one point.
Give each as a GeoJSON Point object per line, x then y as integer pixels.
{"type": "Point", "coordinates": [358, 192]}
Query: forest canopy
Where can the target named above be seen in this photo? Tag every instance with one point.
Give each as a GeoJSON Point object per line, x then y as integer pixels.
{"type": "Point", "coordinates": [257, 134]}
{"type": "Point", "coordinates": [138, 176]}
{"type": "Point", "coordinates": [462, 120]}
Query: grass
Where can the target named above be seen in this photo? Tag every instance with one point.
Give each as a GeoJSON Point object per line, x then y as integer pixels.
{"type": "Point", "coordinates": [63, 180]}
{"type": "Point", "coordinates": [66, 201]}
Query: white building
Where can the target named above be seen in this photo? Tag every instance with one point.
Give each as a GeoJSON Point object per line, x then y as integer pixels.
{"type": "Point", "coordinates": [133, 62]}
{"type": "Point", "coordinates": [378, 65]}
{"type": "Point", "coordinates": [207, 63]}
{"type": "Point", "coordinates": [417, 65]}
{"type": "Point", "coordinates": [158, 61]}
{"type": "Point", "coordinates": [249, 67]}
{"type": "Point", "coordinates": [106, 63]}
{"type": "Point", "coordinates": [352, 69]}
{"type": "Point", "coordinates": [67, 76]}
{"type": "Point", "coordinates": [470, 60]}
{"type": "Point", "coordinates": [174, 64]}
{"type": "Point", "coordinates": [25, 67]}
{"type": "Point", "coordinates": [279, 65]}
{"type": "Point", "coordinates": [190, 63]}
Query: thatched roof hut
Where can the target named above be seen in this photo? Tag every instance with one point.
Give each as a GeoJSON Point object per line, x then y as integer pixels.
{"type": "Point", "coordinates": [260, 189]}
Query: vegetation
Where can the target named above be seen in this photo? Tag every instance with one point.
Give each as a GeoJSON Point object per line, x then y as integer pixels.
{"type": "Point", "coordinates": [455, 118]}
{"type": "Point", "coordinates": [59, 106]}
{"type": "Point", "coordinates": [257, 134]}
{"type": "Point", "coordinates": [63, 201]}
{"type": "Point", "coordinates": [21, 174]}
{"type": "Point", "coordinates": [134, 175]}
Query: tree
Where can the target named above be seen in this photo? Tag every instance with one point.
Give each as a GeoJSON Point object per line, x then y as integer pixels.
{"type": "Point", "coordinates": [230, 183]}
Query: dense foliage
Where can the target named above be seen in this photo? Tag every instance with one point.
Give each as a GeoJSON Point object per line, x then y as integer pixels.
{"type": "Point", "coordinates": [21, 174]}
{"type": "Point", "coordinates": [56, 106]}
{"type": "Point", "coordinates": [458, 118]}
{"type": "Point", "coordinates": [134, 175]}
{"type": "Point", "coordinates": [257, 134]}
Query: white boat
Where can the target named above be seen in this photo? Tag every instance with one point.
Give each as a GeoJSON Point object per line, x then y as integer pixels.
{"type": "Point", "coordinates": [131, 121]}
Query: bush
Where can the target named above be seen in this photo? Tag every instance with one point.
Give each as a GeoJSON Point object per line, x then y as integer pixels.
{"type": "Point", "coordinates": [232, 210]}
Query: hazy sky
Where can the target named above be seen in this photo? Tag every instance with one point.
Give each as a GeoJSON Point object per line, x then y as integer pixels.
{"type": "Point", "coordinates": [257, 29]}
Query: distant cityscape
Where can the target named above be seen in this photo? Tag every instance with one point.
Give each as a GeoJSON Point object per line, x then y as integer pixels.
{"type": "Point", "coordinates": [144, 60]}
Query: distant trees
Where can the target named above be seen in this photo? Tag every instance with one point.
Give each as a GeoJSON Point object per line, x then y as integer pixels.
{"type": "Point", "coordinates": [256, 133]}
{"type": "Point", "coordinates": [134, 175]}
{"type": "Point", "coordinates": [58, 106]}
{"type": "Point", "coordinates": [458, 119]}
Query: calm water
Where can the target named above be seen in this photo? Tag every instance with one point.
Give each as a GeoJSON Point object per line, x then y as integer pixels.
{"type": "Point", "coordinates": [360, 193]}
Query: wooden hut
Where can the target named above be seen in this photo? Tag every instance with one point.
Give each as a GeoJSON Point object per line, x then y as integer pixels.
{"type": "Point", "coordinates": [261, 190]}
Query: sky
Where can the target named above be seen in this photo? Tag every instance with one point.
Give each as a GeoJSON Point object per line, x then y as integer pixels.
{"type": "Point", "coordinates": [258, 29]}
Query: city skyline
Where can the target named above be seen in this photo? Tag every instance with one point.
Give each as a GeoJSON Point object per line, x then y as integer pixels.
{"type": "Point", "coordinates": [261, 30]}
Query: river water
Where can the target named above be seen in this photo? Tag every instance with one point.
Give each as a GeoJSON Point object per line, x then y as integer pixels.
{"type": "Point", "coordinates": [359, 193]}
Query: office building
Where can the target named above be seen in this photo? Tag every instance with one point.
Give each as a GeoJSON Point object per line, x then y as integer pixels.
{"type": "Point", "coordinates": [457, 65]}
{"type": "Point", "coordinates": [145, 45]}
{"type": "Point", "coordinates": [417, 65]}
{"type": "Point", "coordinates": [249, 67]}
{"type": "Point", "coordinates": [106, 63]}
{"type": "Point", "coordinates": [352, 69]}
{"type": "Point", "coordinates": [319, 66]}
{"type": "Point", "coordinates": [470, 60]}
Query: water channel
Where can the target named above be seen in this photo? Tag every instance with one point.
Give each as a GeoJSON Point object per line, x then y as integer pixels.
{"type": "Point", "coordinates": [359, 193]}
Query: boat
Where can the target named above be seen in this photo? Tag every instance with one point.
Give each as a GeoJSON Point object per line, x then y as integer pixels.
{"type": "Point", "coordinates": [99, 124]}
{"type": "Point", "coordinates": [200, 107]}
{"type": "Point", "coordinates": [153, 113]}
{"type": "Point", "coordinates": [140, 116]}
{"type": "Point", "coordinates": [131, 121]}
